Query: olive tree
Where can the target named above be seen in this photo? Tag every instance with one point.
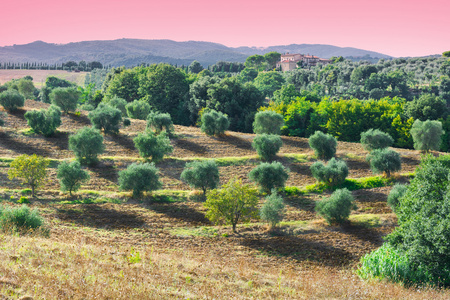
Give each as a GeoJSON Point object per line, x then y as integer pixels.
{"type": "Point", "coordinates": [65, 98]}
{"type": "Point", "coordinates": [269, 176]}
{"type": "Point", "coordinates": [332, 174]}
{"type": "Point", "coordinates": [376, 139]}
{"type": "Point", "coordinates": [267, 145]}
{"type": "Point", "coordinates": [337, 208]}
{"type": "Point", "coordinates": [426, 135]}
{"type": "Point", "coordinates": [71, 176]}
{"type": "Point", "coordinates": [11, 100]}
{"type": "Point", "coordinates": [268, 122]}
{"type": "Point", "coordinates": [324, 145]}
{"type": "Point", "coordinates": [138, 109]}
{"type": "Point", "coordinates": [139, 177]}
{"type": "Point", "coordinates": [44, 121]}
{"type": "Point", "coordinates": [106, 117]}
{"type": "Point", "coordinates": [159, 122]}
{"type": "Point", "coordinates": [384, 161]}
{"type": "Point", "coordinates": [201, 174]}
{"type": "Point", "coordinates": [87, 144]}
{"type": "Point", "coordinates": [214, 123]}
{"type": "Point", "coordinates": [273, 209]}
{"type": "Point", "coordinates": [151, 145]}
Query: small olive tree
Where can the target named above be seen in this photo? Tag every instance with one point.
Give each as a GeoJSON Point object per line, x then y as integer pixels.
{"type": "Point", "coordinates": [426, 135]}
{"type": "Point", "coordinates": [268, 122]}
{"type": "Point", "coordinates": [151, 145]}
{"type": "Point", "coordinates": [65, 98]}
{"type": "Point", "coordinates": [120, 104]}
{"type": "Point", "coordinates": [384, 161]}
{"type": "Point", "coordinates": [324, 145]}
{"type": "Point", "coordinates": [160, 122]}
{"type": "Point", "coordinates": [214, 123]}
{"type": "Point", "coordinates": [86, 145]}
{"type": "Point", "coordinates": [267, 145]}
{"type": "Point", "coordinates": [332, 174]}
{"type": "Point", "coordinates": [273, 209]}
{"type": "Point", "coordinates": [71, 176]}
{"type": "Point", "coordinates": [376, 139]}
{"type": "Point", "coordinates": [138, 109]}
{"type": "Point", "coordinates": [11, 100]}
{"type": "Point", "coordinates": [269, 176]}
{"type": "Point", "coordinates": [395, 194]}
{"type": "Point", "coordinates": [106, 117]}
{"type": "Point", "coordinates": [31, 169]}
{"type": "Point", "coordinates": [337, 208]}
{"type": "Point", "coordinates": [44, 121]}
{"type": "Point", "coordinates": [201, 174]}
{"type": "Point", "coordinates": [139, 178]}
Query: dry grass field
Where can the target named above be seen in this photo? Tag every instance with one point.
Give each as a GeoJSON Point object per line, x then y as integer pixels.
{"type": "Point", "coordinates": [39, 76]}
{"type": "Point", "coordinates": [105, 245]}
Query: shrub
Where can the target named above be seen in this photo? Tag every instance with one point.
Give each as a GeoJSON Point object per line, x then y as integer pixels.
{"type": "Point", "coordinates": [151, 145]}
{"type": "Point", "coordinates": [337, 208]}
{"type": "Point", "coordinates": [119, 103]}
{"type": "Point", "coordinates": [395, 194]}
{"type": "Point", "coordinates": [268, 122]}
{"type": "Point", "coordinates": [214, 123]}
{"type": "Point", "coordinates": [86, 145]}
{"type": "Point", "coordinates": [233, 203]}
{"type": "Point", "coordinates": [19, 218]}
{"type": "Point", "coordinates": [426, 107]}
{"type": "Point", "coordinates": [324, 145]}
{"type": "Point", "coordinates": [267, 145]}
{"type": "Point", "coordinates": [272, 210]}
{"type": "Point", "coordinates": [87, 107]}
{"type": "Point", "coordinates": [427, 135]}
{"type": "Point", "coordinates": [11, 100]}
{"type": "Point", "coordinates": [65, 98]}
{"type": "Point", "coordinates": [31, 169]}
{"type": "Point", "coordinates": [23, 200]}
{"type": "Point", "coordinates": [106, 117]}
{"type": "Point", "coordinates": [333, 174]}
{"type": "Point", "coordinates": [384, 161]}
{"type": "Point", "coordinates": [375, 139]}
{"type": "Point", "coordinates": [138, 109]}
{"type": "Point", "coordinates": [126, 122]}
{"type": "Point", "coordinates": [44, 121]}
{"type": "Point", "coordinates": [201, 174]}
{"type": "Point", "coordinates": [139, 178]}
{"type": "Point", "coordinates": [71, 176]}
{"type": "Point", "coordinates": [269, 176]}
{"type": "Point", "coordinates": [160, 121]}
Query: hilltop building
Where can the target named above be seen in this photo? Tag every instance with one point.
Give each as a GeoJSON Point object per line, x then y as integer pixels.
{"type": "Point", "coordinates": [290, 62]}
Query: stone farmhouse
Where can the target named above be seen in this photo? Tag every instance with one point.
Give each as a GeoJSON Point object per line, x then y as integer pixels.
{"type": "Point", "coordinates": [290, 62]}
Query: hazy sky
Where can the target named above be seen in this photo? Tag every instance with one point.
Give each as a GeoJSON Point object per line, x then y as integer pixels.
{"type": "Point", "coordinates": [393, 27]}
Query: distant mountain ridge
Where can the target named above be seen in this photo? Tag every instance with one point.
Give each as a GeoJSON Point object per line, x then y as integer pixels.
{"type": "Point", "coordinates": [132, 52]}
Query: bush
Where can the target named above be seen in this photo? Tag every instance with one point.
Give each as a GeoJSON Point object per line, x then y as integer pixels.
{"type": "Point", "coordinates": [324, 145]}
{"type": "Point", "coordinates": [333, 174]}
{"type": "Point", "coordinates": [87, 107]}
{"type": "Point", "coordinates": [71, 176]}
{"type": "Point", "coordinates": [427, 107]}
{"type": "Point", "coordinates": [126, 122]}
{"type": "Point", "coordinates": [120, 104]}
{"type": "Point", "coordinates": [375, 139]}
{"type": "Point", "coordinates": [151, 145]}
{"type": "Point", "coordinates": [384, 161]}
{"type": "Point", "coordinates": [44, 121]}
{"type": "Point", "coordinates": [337, 208]}
{"type": "Point", "coordinates": [268, 122]}
{"type": "Point", "coordinates": [160, 121]}
{"type": "Point", "coordinates": [65, 98]}
{"type": "Point", "coordinates": [427, 135]}
{"type": "Point", "coordinates": [214, 123]}
{"type": "Point", "coordinates": [272, 210]}
{"type": "Point", "coordinates": [19, 218]}
{"type": "Point", "coordinates": [11, 100]}
{"type": "Point", "coordinates": [139, 178]}
{"type": "Point", "coordinates": [395, 194]}
{"type": "Point", "coordinates": [201, 174]}
{"type": "Point", "coordinates": [106, 117]}
{"type": "Point", "coordinates": [269, 176]}
{"type": "Point", "coordinates": [233, 203]}
{"type": "Point", "coordinates": [267, 145]}
{"type": "Point", "coordinates": [138, 109]}
{"type": "Point", "coordinates": [30, 168]}
{"type": "Point", "coordinates": [86, 145]}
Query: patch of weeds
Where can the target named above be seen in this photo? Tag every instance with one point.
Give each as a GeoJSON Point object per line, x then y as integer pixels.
{"type": "Point", "coordinates": [23, 200]}
{"type": "Point", "coordinates": [206, 231]}
{"type": "Point", "coordinates": [236, 161]}
{"type": "Point", "coordinates": [366, 183]}
{"type": "Point", "coordinates": [134, 257]}
{"type": "Point", "coordinates": [297, 158]}
{"type": "Point", "coordinates": [20, 219]}
{"type": "Point", "coordinates": [77, 201]}
{"type": "Point", "coordinates": [26, 132]}
{"type": "Point", "coordinates": [25, 192]}
{"type": "Point", "coordinates": [366, 220]}
{"type": "Point", "coordinates": [107, 200]}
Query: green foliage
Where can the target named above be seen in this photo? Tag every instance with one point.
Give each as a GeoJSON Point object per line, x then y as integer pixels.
{"type": "Point", "coordinates": [268, 122]}
{"type": "Point", "coordinates": [160, 122]}
{"type": "Point", "coordinates": [214, 123]}
{"type": "Point", "coordinates": [273, 209]}
{"type": "Point", "coordinates": [337, 208]}
{"type": "Point", "coordinates": [195, 67]}
{"type": "Point", "coordinates": [13, 219]}
{"type": "Point", "coordinates": [332, 174]}
{"type": "Point", "coordinates": [139, 178]}
{"type": "Point", "coordinates": [106, 117]}
{"type": "Point", "coordinates": [395, 194]}
{"type": "Point", "coordinates": [11, 100]}
{"type": "Point", "coordinates": [233, 203]}
{"type": "Point", "coordinates": [376, 139]}
{"type": "Point", "coordinates": [71, 176]}
{"type": "Point", "coordinates": [23, 200]}
{"type": "Point", "coordinates": [151, 145]}
{"type": "Point", "coordinates": [65, 98]}
{"type": "Point", "coordinates": [269, 82]}
{"type": "Point", "coordinates": [26, 88]}
{"type": "Point", "coordinates": [384, 161]}
{"type": "Point", "coordinates": [324, 145]}
{"type": "Point", "coordinates": [126, 122]}
{"type": "Point", "coordinates": [31, 169]}
{"type": "Point", "coordinates": [87, 143]}
{"type": "Point", "coordinates": [119, 103]}
{"type": "Point", "coordinates": [446, 54]}
{"type": "Point", "coordinates": [267, 145]}
{"type": "Point", "coordinates": [427, 135]}
{"type": "Point", "coordinates": [426, 107]}
{"type": "Point", "coordinates": [269, 176]}
{"type": "Point", "coordinates": [201, 174]}
{"type": "Point", "coordinates": [138, 109]}
{"type": "Point", "coordinates": [44, 121]}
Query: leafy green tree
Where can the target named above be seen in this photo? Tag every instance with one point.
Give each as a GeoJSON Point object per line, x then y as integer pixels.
{"type": "Point", "coordinates": [11, 100]}
{"type": "Point", "coordinates": [53, 82]}
{"type": "Point", "coordinates": [446, 54]}
{"type": "Point", "coordinates": [384, 161]}
{"type": "Point", "coordinates": [332, 174]}
{"type": "Point", "coordinates": [267, 145]}
{"type": "Point", "coordinates": [106, 117]}
{"type": "Point", "coordinates": [159, 122]}
{"type": "Point", "coordinates": [65, 98]}
{"type": "Point", "coordinates": [201, 174]}
{"type": "Point", "coordinates": [139, 177]}
{"type": "Point", "coordinates": [31, 169]}
{"type": "Point", "coordinates": [376, 139]}
{"type": "Point", "coordinates": [255, 61]}
{"type": "Point", "coordinates": [395, 194]}
{"type": "Point", "coordinates": [426, 107]}
{"type": "Point", "coordinates": [269, 176]}
{"type": "Point", "coordinates": [233, 203]}
{"type": "Point", "coordinates": [427, 135]}
{"type": "Point", "coordinates": [71, 176]}
{"type": "Point", "coordinates": [269, 82]}
{"type": "Point", "coordinates": [286, 94]}
{"type": "Point", "coordinates": [26, 88]}
{"type": "Point", "coordinates": [123, 83]}
{"type": "Point", "coordinates": [195, 67]}
{"type": "Point", "coordinates": [271, 59]}
{"type": "Point", "coordinates": [268, 122]}
{"type": "Point", "coordinates": [273, 209]}
{"type": "Point", "coordinates": [44, 121]}
{"type": "Point", "coordinates": [87, 143]}
{"type": "Point", "coordinates": [337, 208]}
{"type": "Point", "coordinates": [248, 74]}
{"type": "Point", "coordinates": [214, 123]}
{"type": "Point", "coordinates": [138, 109]}
{"type": "Point", "coordinates": [120, 104]}
{"type": "Point", "coordinates": [324, 145]}
{"type": "Point", "coordinates": [361, 73]}
{"type": "Point", "coordinates": [154, 146]}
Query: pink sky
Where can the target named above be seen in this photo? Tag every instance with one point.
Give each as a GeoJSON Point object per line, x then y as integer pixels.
{"type": "Point", "coordinates": [393, 27]}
